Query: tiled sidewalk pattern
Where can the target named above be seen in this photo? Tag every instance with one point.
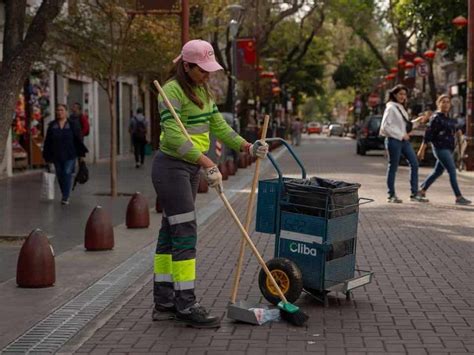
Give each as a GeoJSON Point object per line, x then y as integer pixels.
{"type": "Point", "coordinates": [420, 301]}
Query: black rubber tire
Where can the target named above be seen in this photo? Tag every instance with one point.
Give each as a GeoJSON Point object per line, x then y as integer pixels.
{"type": "Point", "coordinates": [362, 151]}
{"type": "Point", "coordinates": [358, 149]}
{"type": "Point", "coordinates": [292, 272]}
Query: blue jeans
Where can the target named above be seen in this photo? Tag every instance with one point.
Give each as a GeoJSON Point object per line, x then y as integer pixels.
{"type": "Point", "coordinates": [444, 161]}
{"type": "Point", "coordinates": [395, 149]}
{"type": "Point", "coordinates": [64, 170]}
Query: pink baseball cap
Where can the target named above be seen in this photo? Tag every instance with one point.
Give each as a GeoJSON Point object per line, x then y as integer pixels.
{"type": "Point", "coordinates": [201, 53]}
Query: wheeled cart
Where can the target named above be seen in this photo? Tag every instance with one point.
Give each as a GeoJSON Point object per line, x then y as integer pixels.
{"type": "Point", "coordinates": [315, 226]}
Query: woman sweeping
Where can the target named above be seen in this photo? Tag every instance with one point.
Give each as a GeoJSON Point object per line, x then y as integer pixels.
{"type": "Point", "coordinates": [175, 176]}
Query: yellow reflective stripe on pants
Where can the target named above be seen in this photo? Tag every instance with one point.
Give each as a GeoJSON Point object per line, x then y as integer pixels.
{"type": "Point", "coordinates": [163, 264]}
{"type": "Point", "coordinates": [184, 270]}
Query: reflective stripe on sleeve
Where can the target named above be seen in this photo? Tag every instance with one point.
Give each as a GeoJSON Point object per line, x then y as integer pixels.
{"type": "Point", "coordinates": [182, 218]}
{"type": "Point", "coordinates": [233, 134]}
{"type": "Point", "coordinates": [185, 147]}
{"type": "Point", "coordinates": [175, 103]}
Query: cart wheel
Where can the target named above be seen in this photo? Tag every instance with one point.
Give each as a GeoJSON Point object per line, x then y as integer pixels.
{"type": "Point", "coordinates": [348, 295]}
{"type": "Point", "coordinates": [288, 276]}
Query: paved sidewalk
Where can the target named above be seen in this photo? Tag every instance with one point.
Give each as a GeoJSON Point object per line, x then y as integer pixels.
{"type": "Point", "coordinates": [420, 301]}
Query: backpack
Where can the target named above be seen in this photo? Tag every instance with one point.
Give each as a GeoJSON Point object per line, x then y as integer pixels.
{"type": "Point", "coordinates": [85, 126]}
{"type": "Point", "coordinates": [139, 129]}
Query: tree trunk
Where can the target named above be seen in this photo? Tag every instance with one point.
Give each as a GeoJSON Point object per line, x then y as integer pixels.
{"type": "Point", "coordinates": [113, 137]}
{"type": "Point", "coordinates": [19, 54]}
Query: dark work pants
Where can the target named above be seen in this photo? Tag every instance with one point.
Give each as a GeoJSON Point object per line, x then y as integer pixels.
{"type": "Point", "coordinates": [139, 149]}
{"type": "Point", "coordinates": [176, 183]}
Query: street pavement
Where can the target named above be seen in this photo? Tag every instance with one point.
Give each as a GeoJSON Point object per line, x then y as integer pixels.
{"type": "Point", "coordinates": [419, 302]}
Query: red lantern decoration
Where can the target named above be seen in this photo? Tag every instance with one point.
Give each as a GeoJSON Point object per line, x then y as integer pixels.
{"type": "Point", "coordinates": [394, 70]}
{"type": "Point", "coordinates": [459, 22]}
{"type": "Point", "coordinates": [430, 54]}
{"type": "Point", "coordinates": [418, 60]}
{"type": "Point", "coordinates": [409, 65]}
{"type": "Point", "coordinates": [441, 45]}
{"type": "Point", "coordinates": [276, 90]}
{"type": "Point", "coordinates": [401, 62]}
{"type": "Point", "coordinates": [267, 74]}
{"type": "Point", "coordinates": [390, 77]}
{"type": "Point", "coordinates": [274, 81]}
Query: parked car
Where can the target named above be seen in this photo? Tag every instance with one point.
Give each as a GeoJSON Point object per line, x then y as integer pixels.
{"type": "Point", "coordinates": [335, 129]}
{"type": "Point", "coordinates": [313, 127]}
{"type": "Point", "coordinates": [368, 137]}
{"type": "Point", "coordinates": [325, 129]}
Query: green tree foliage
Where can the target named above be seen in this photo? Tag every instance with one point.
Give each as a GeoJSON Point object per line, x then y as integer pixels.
{"type": "Point", "coordinates": [432, 22]}
{"type": "Point", "coordinates": [357, 70]}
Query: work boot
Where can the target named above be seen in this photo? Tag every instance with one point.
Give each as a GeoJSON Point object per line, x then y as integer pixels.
{"type": "Point", "coordinates": [163, 313]}
{"type": "Point", "coordinates": [196, 316]}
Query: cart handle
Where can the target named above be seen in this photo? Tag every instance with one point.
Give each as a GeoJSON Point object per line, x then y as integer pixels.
{"type": "Point", "coordinates": [275, 164]}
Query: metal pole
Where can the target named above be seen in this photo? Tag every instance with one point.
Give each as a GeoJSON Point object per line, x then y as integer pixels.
{"type": "Point", "coordinates": [184, 21]}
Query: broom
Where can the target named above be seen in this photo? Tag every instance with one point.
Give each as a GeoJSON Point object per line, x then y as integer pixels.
{"type": "Point", "coordinates": [288, 312]}
{"type": "Point", "coordinates": [248, 217]}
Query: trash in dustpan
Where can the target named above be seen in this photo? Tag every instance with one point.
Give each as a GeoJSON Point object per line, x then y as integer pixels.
{"type": "Point", "coordinates": [257, 314]}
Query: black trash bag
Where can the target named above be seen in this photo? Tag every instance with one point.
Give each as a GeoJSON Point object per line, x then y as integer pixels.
{"type": "Point", "coordinates": [82, 175]}
{"type": "Point", "coordinates": [322, 197]}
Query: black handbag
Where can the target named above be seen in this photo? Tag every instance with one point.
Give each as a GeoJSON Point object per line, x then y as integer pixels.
{"type": "Point", "coordinates": [409, 124]}
{"type": "Point", "coordinates": [82, 175]}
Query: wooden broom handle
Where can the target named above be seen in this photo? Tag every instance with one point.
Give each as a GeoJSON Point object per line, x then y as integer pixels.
{"type": "Point", "coordinates": [171, 108]}
{"type": "Point", "coordinates": [248, 217]}
{"type": "Point", "coordinates": [251, 245]}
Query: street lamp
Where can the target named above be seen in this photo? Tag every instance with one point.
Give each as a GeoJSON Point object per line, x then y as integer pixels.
{"type": "Point", "coordinates": [234, 25]}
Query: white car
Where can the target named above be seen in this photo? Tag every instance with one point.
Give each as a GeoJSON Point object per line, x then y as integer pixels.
{"type": "Point", "coordinates": [335, 129]}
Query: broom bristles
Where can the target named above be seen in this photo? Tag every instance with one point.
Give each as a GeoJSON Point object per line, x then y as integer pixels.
{"type": "Point", "coordinates": [292, 314]}
{"type": "Point", "coordinates": [298, 318]}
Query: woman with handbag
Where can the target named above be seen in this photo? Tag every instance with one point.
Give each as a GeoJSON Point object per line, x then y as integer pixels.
{"type": "Point", "coordinates": [395, 127]}
{"type": "Point", "coordinates": [441, 133]}
{"type": "Point", "coordinates": [62, 146]}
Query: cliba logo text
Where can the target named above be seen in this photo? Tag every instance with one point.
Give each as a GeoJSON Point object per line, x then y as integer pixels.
{"type": "Point", "coordinates": [301, 248]}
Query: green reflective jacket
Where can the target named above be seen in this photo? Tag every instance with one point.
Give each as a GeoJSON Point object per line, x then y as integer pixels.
{"type": "Point", "coordinates": [198, 122]}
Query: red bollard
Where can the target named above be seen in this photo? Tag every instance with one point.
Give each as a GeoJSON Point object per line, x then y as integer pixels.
{"type": "Point", "coordinates": [203, 187]}
{"type": "Point", "coordinates": [223, 169]}
{"type": "Point", "coordinates": [230, 167]}
{"type": "Point", "coordinates": [36, 266]}
{"type": "Point", "coordinates": [138, 214]}
{"type": "Point", "coordinates": [99, 233]}
{"type": "Point", "coordinates": [158, 208]}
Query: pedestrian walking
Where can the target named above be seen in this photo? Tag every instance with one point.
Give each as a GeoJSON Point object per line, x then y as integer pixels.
{"type": "Point", "coordinates": [138, 128]}
{"type": "Point", "coordinates": [62, 146]}
{"type": "Point", "coordinates": [175, 176]}
{"type": "Point", "coordinates": [80, 118]}
{"type": "Point", "coordinates": [441, 134]}
{"type": "Point", "coordinates": [395, 127]}
{"type": "Point", "coordinates": [296, 130]}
